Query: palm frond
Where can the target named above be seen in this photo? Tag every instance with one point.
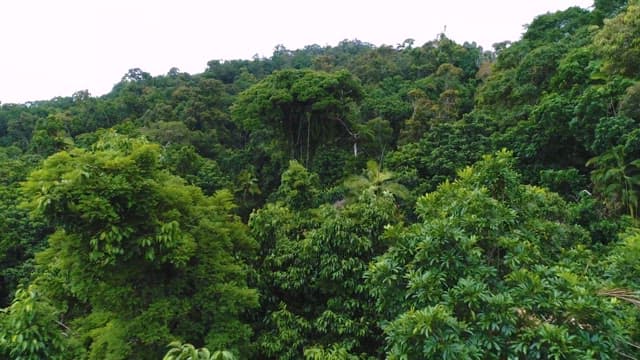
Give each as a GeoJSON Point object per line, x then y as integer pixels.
{"type": "Point", "coordinates": [622, 294]}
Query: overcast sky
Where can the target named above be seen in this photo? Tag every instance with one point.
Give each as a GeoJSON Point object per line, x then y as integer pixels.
{"type": "Point", "coordinates": [54, 48]}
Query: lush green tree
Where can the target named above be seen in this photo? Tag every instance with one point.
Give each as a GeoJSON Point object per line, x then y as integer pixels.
{"type": "Point", "coordinates": [247, 184]}
{"type": "Point", "coordinates": [20, 236]}
{"type": "Point", "coordinates": [138, 257]}
{"type": "Point", "coordinates": [31, 329]}
{"type": "Point", "coordinates": [611, 132]}
{"type": "Point", "coordinates": [569, 182]}
{"type": "Point", "coordinates": [185, 162]}
{"type": "Point", "coordinates": [180, 351]}
{"type": "Point", "coordinates": [444, 96]}
{"type": "Point", "coordinates": [300, 109]}
{"type": "Point", "coordinates": [574, 70]}
{"type": "Point", "coordinates": [332, 353]}
{"type": "Point", "coordinates": [169, 133]}
{"type": "Point", "coordinates": [20, 128]}
{"type": "Point", "coordinates": [493, 269]}
{"type": "Point", "coordinates": [50, 136]}
{"type": "Point", "coordinates": [622, 265]}
{"type": "Point", "coordinates": [419, 122]}
{"type": "Point", "coordinates": [376, 181]}
{"type": "Point", "coordinates": [554, 27]}
{"type": "Point", "coordinates": [595, 103]}
{"type": "Point", "coordinates": [607, 8]}
{"type": "Point", "coordinates": [298, 187]}
{"type": "Point", "coordinates": [619, 42]}
{"type": "Point", "coordinates": [375, 65]}
{"type": "Point", "coordinates": [446, 147]}
{"type": "Point", "coordinates": [425, 59]}
{"type": "Point", "coordinates": [377, 136]}
{"type": "Point", "coordinates": [387, 100]}
{"type": "Point", "coordinates": [310, 270]}
{"type": "Point", "coordinates": [616, 180]}
{"type": "Point", "coordinates": [630, 103]}
{"type": "Point", "coordinates": [546, 133]}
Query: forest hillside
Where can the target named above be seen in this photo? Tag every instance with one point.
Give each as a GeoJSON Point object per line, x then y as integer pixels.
{"type": "Point", "coordinates": [434, 201]}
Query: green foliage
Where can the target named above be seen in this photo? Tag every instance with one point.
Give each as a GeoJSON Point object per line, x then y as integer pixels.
{"type": "Point", "coordinates": [20, 236]}
{"type": "Point", "coordinates": [298, 187]}
{"type": "Point", "coordinates": [299, 108]}
{"type": "Point", "coordinates": [492, 271]}
{"type": "Point", "coordinates": [575, 69]}
{"type": "Point", "coordinates": [185, 162]}
{"type": "Point", "coordinates": [611, 132]}
{"type": "Point", "coordinates": [567, 182]}
{"type": "Point", "coordinates": [31, 329]}
{"type": "Point", "coordinates": [630, 103]}
{"type": "Point", "coordinates": [617, 180]}
{"type": "Point", "coordinates": [619, 42]}
{"type": "Point", "coordinates": [147, 246]}
{"type": "Point", "coordinates": [377, 182]}
{"type": "Point", "coordinates": [553, 27]}
{"type": "Point", "coordinates": [442, 150]}
{"type": "Point", "coordinates": [50, 136]}
{"type": "Point", "coordinates": [180, 351]}
{"type": "Point", "coordinates": [150, 257]}
{"type": "Point", "coordinates": [310, 269]}
{"type": "Point", "coordinates": [377, 136]}
{"type": "Point", "coordinates": [595, 103]}
{"type": "Point", "coordinates": [387, 100]}
{"type": "Point", "coordinates": [607, 8]}
{"type": "Point", "coordinates": [445, 336]}
{"type": "Point", "coordinates": [622, 263]}
{"type": "Point", "coordinates": [333, 353]}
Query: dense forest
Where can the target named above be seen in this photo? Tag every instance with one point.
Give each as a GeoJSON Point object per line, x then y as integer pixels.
{"type": "Point", "coordinates": [354, 201]}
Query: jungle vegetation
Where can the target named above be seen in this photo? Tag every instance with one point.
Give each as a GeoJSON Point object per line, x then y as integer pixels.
{"type": "Point", "coordinates": [435, 201]}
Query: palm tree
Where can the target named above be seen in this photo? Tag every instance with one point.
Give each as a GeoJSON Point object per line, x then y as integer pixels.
{"type": "Point", "coordinates": [376, 181]}
{"type": "Point", "coordinates": [615, 180]}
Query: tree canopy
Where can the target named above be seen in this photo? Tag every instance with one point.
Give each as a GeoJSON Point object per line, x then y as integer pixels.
{"type": "Point", "coordinates": [336, 202]}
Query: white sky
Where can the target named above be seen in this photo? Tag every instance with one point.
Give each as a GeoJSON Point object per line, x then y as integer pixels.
{"type": "Point", "coordinates": [53, 48]}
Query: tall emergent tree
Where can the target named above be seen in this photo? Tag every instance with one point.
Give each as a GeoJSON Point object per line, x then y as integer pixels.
{"type": "Point", "coordinates": [300, 109]}
{"type": "Point", "coordinates": [139, 258]}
